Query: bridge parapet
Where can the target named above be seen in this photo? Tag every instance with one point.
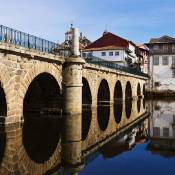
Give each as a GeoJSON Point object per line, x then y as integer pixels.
{"type": "Point", "coordinates": [8, 48]}
{"type": "Point", "coordinates": [107, 64]}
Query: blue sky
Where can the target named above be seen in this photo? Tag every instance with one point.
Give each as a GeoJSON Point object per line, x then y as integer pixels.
{"type": "Point", "coordinates": [136, 20]}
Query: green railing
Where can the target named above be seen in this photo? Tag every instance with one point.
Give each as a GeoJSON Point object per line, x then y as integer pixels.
{"type": "Point", "coordinates": [108, 64]}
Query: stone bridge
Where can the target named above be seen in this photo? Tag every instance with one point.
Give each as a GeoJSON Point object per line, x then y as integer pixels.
{"type": "Point", "coordinates": [91, 98]}
{"type": "Point", "coordinates": [32, 81]}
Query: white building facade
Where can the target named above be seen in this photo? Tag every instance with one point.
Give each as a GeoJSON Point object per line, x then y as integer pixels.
{"type": "Point", "coordinates": [162, 63]}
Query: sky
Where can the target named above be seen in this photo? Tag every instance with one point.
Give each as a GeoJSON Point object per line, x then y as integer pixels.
{"type": "Point", "coordinates": [136, 20]}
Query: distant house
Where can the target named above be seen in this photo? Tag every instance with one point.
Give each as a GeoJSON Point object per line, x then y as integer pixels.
{"type": "Point", "coordinates": [113, 48]}
{"type": "Point", "coordinates": [143, 54]}
{"type": "Point", "coordinates": [162, 63]}
{"type": "Point", "coordinates": [64, 48]}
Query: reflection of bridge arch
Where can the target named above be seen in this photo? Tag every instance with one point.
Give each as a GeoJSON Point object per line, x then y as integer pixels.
{"type": "Point", "coordinates": [86, 108]}
{"type": "Point", "coordinates": [103, 101]}
{"type": "Point", "coordinates": [128, 99]}
{"type": "Point", "coordinates": [118, 98]}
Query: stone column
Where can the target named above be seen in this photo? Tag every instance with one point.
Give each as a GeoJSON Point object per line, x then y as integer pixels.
{"type": "Point", "coordinates": [72, 110]}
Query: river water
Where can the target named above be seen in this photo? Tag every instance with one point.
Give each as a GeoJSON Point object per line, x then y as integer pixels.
{"type": "Point", "coordinates": [145, 146]}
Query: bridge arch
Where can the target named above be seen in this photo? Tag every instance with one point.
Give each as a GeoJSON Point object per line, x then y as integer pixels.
{"type": "Point", "coordinates": [38, 69]}
{"type": "Point", "coordinates": [86, 108]}
{"type": "Point", "coordinates": [118, 98]}
{"type": "Point", "coordinates": [103, 104]}
{"type": "Point", "coordinates": [3, 103]}
{"type": "Point", "coordinates": [128, 99]}
{"type": "Point", "coordinates": [138, 90]}
{"type": "Point", "coordinates": [42, 94]}
{"type": "Point", "coordinates": [144, 89]}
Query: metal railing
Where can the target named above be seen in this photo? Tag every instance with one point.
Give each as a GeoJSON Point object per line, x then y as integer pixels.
{"type": "Point", "coordinates": [22, 39]}
{"type": "Point", "coordinates": [108, 64]}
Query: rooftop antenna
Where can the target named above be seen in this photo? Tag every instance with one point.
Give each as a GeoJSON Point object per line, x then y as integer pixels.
{"type": "Point", "coordinates": [72, 23]}
{"type": "Point", "coordinates": [105, 31]}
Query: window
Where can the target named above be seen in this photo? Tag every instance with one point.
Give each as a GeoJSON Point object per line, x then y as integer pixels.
{"type": "Point", "coordinates": [156, 47]}
{"type": "Point", "coordinates": [165, 60]}
{"type": "Point", "coordinates": [173, 48]}
{"type": "Point", "coordinates": [84, 55]}
{"type": "Point", "coordinates": [156, 131]}
{"type": "Point", "coordinates": [90, 54]}
{"type": "Point", "coordinates": [165, 47]}
{"type": "Point", "coordinates": [103, 54]}
{"type": "Point", "coordinates": [157, 84]}
{"type": "Point", "coordinates": [173, 73]}
{"type": "Point", "coordinates": [116, 53]}
{"type": "Point", "coordinates": [155, 60]}
{"type": "Point", "coordinates": [165, 132]}
{"type": "Point", "coordinates": [173, 132]}
{"type": "Point", "coordinates": [110, 53]}
{"type": "Point", "coordinates": [173, 60]}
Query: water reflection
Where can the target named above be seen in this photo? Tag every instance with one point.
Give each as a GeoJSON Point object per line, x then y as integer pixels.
{"type": "Point", "coordinates": [86, 121]}
{"type": "Point", "coordinates": [126, 143]}
{"type": "Point", "coordinates": [128, 107]}
{"type": "Point", "coordinates": [2, 142]}
{"type": "Point", "coordinates": [162, 128]}
{"type": "Point", "coordinates": [41, 134]}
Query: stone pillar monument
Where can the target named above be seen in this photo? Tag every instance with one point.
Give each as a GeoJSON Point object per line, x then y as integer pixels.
{"type": "Point", "coordinates": [72, 106]}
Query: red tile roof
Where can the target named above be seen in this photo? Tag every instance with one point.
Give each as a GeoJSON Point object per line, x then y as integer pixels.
{"type": "Point", "coordinates": [108, 41]}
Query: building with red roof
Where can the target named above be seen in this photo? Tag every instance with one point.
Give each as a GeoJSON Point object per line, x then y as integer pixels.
{"type": "Point", "coordinates": [113, 48]}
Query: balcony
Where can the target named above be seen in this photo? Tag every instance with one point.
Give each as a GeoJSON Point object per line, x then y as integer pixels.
{"type": "Point", "coordinates": [160, 51]}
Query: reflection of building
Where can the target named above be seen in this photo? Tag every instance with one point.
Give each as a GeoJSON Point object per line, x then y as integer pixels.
{"type": "Point", "coordinates": [162, 128]}
{"type": "Point", "coordinates": [163, 120]}
{"type": "Point", "coordinates": [162, 63]}
{"type": "Point", "coordinates": [113, 48]}
{"type": "Point", "coordinates": [125, 142]}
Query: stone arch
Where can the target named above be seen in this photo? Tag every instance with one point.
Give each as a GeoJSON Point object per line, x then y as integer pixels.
{"type": "Point", "coordinates": [38, 69]}
{"type": "Point", "coordinates": [128, 90]}
{"type": "Point", "coordinates": [3, 103]}
{"type": "Point", "coordinates": [144, 89]}
{"type": "Point", "coordinates": [128, 99]}
{"type": "Point", "coordinates": [5, 93]}
{"type": "Point", "coordinates": [43, 92]}
{"type": "Point", "coordinates": [118, 99]}
{"type": "Point", "coordinates": [103, 104]}
{"type": "Point", "coordinates": [86, 108]}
